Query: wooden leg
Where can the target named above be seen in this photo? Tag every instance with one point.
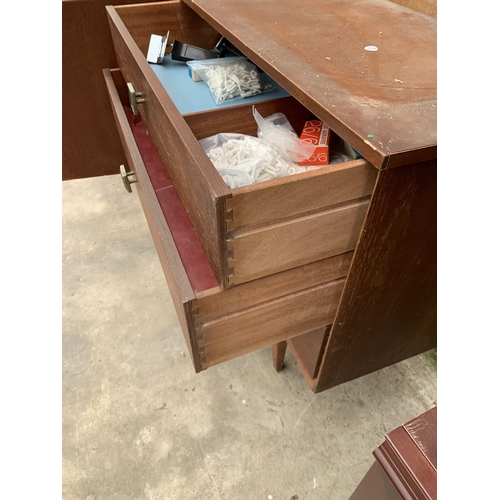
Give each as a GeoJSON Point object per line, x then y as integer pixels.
{"type": "Point", "coordinates": [279, 350]}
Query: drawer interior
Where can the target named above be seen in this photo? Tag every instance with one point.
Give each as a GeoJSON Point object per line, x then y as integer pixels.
{"type": "Point", "coordinates": [184, 26]}
{"type": "Point", "coordinates": [252, 231]}
{"type": "Point", "coordinates": [204, 120]}
{"type": "Point", "coordinates": [194, 97]}
{"type": "Point", "coordinates": [198, 269]}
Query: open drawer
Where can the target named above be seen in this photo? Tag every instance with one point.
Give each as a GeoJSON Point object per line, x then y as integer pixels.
{"type": "Point", "coordinates": [250, 232]}
{"type": "Point", "coordinates": [219, 324]}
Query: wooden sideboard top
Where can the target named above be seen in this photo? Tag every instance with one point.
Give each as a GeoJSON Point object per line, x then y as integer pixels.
{"type": "Point", "coordinates": [382, 101]}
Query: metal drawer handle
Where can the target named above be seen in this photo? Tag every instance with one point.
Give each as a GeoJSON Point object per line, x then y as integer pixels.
{"type": "Point", "coordinates": [135, 98]}
{"type": "Point", "coordinates": [126, 181]}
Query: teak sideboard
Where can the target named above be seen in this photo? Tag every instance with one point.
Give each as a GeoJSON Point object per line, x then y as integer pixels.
{"type": "Point", "coordinates": [337, 263]}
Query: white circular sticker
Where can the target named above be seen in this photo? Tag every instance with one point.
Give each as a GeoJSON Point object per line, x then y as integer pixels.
{"type": "Point", "coordinates": [371, 48]}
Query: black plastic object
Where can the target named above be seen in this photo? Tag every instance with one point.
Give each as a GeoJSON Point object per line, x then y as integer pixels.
{"type": "Point", "coordinates": [185, 52]}
{"type": "Point", "coordinates": [226, 48]}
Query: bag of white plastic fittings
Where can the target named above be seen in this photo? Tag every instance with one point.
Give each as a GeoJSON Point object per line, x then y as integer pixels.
{"type": "Point", "coordinates": [230, 78]}
{"type": "Point", "coordinates": [277, 130]}
{"type": "Point", "coordinates": [242, 159]}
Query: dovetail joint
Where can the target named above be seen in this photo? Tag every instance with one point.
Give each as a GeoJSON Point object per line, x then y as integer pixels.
{"type": "Point", "coordinates": [230, 278]}
{"type": "Point", "coordinates": [230, 241]}
{"type": "Point", "coordinates": [229, 215]}
{"type": "Point", "coordinates": [199, 341]}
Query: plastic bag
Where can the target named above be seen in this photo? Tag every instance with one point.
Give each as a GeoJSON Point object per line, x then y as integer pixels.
{"type": "Point", "coordinates": [338, 157]}
{"type": "Point", "coordinates": [242, 159]}
{"type": "Point", "coordinates": [277, 130]}
{"type": "Point", "coordinates": [230, 78]}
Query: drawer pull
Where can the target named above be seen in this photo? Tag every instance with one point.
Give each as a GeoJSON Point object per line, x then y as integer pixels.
{"type": "Point", "coordinates": [126, 181]}
{"type": "Point", "coordinates": [135, 98]}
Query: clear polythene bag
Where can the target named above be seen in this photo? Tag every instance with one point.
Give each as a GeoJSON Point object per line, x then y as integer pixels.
{"type": "Point", "coordinates": [242, 159]}
{"type": "Point", "coordinates": [277, 130]}
{"type": "Point", "coordinates": [230, 78]}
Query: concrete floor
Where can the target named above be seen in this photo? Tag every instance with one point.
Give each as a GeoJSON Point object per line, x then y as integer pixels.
{"type": "Point", "coordinates": [138, 423]}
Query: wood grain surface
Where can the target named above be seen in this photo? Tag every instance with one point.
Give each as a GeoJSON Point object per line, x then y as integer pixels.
{"type": "Point", "coordinates": [309, 348]}
{"type": "Point", "coordinates": [279, 351]}
{"type": "Point", "coordinates": [295, 195]}
{"type": "Point", "coordinates": [388, 311]}
{"type": "Point", "coordinates": [250, 329]}
{"type": "Point", "coordinates": [407, 463]}
{"type": "Point", "coordinates": [423, 431]}
{"type": "Point", "coordinates": [90, 143]}
{"type": "Point", "coordinates": [239, 119]}
{"type": "Point", "coordinates": [174, 16]}
{"type": "Point", "coordinates": [266, 249]}
{"type": "Point", "coordinates": [383, 103]}
{"type": "Point", "coordinates": [427, 7]}
{"type": "Point", "coordinates": [200, 187]}
{"type": "Point", "coordinates": [248, 295]}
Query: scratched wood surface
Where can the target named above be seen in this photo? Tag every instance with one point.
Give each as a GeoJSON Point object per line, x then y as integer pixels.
{"type": "Point", "coordinates": [388, 311]}
{"type": "Point", "coordinates": [406, 463]}
{"type": "Point", "coordinates": [423, 431]}
{"type": "Point", "coordinates": [408, 457]}
{"type": "Point", "coordinates": [383, 103]}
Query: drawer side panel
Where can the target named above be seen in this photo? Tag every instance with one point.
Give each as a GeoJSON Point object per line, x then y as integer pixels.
{"type": "Point", "coordinates": [199, 186]}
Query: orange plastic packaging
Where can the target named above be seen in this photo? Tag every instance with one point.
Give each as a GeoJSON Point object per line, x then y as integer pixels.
{"type": "Point", "coordinates": [317, 133]}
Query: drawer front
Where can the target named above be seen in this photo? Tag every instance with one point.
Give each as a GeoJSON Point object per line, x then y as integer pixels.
{"type": "Point", "coordinates": [269, 310]}
{"type": "Point", "coordinates": [259, 251]}
{"type": "Point", "coordinates": [252, 232]}
{"type": "Point", "coordinates": [218, 324]}
{"type": "Point", "coordinates": [297, 220]}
